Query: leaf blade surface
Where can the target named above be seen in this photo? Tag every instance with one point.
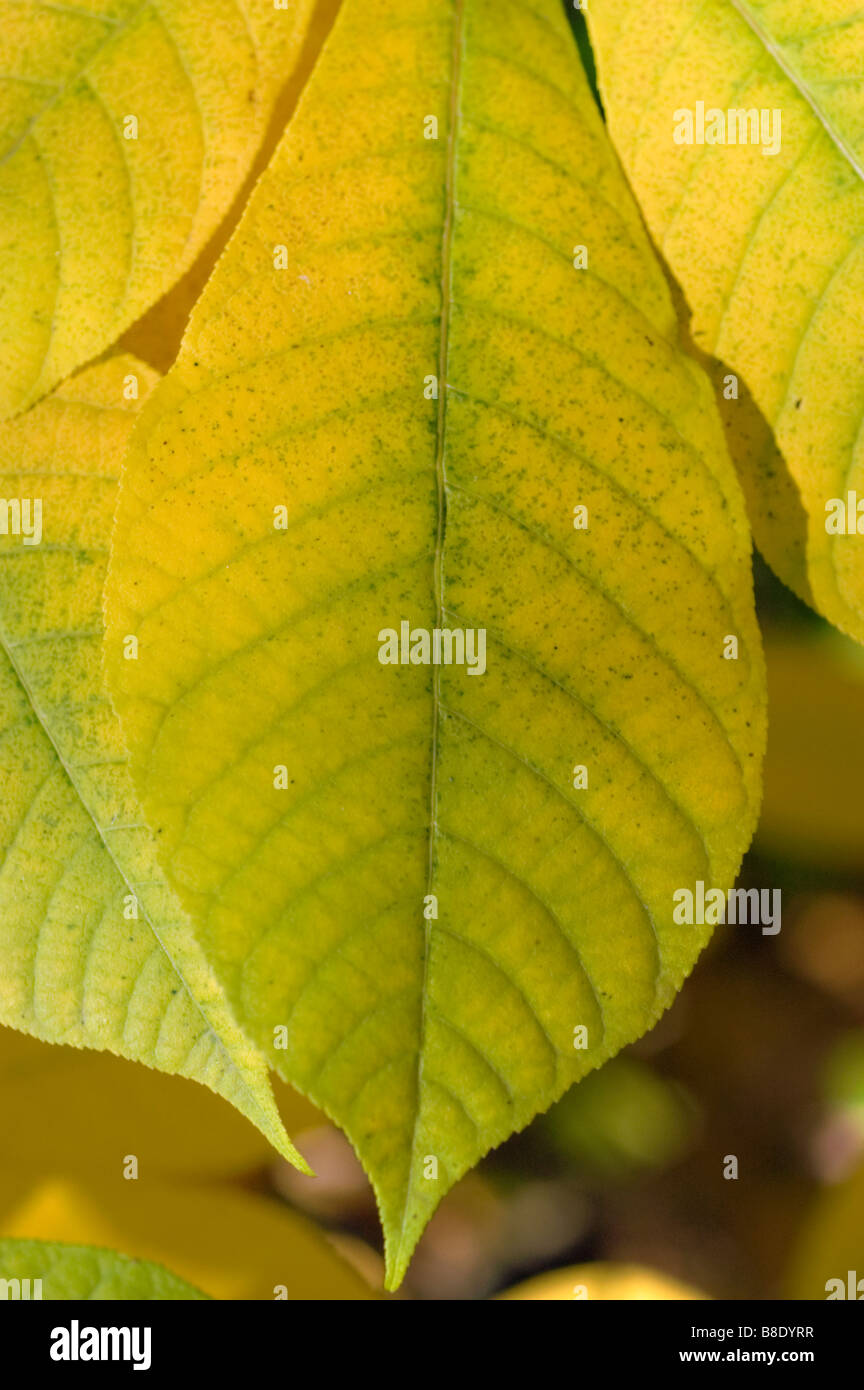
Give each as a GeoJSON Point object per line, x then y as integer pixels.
{"type": "Point", "coordinates": [97, 223]}
{"type": "Point", "coordinates": [767, 249]}
{"type": "Point", "coordinates": [96, 951]}
{"type": "Point", "coordinates": [408, 259]}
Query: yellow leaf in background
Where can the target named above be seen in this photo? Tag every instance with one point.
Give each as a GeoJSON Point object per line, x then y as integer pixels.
{"type": "Point", "coordinates": [602, 1281]}
{"type": "Point", "coordinates": [812, 810]}
{"type": "Point", "coordinates": [126, 129]}
{"type": "Point", "coordinates": [830, 1245]}
{"type": "Point", "coordinates": [398, 399]}
{"type": "Point", "coordinates": [95, 950]}
{"type": "Point", "coordinates": [766, 238]}
{"type": "Point", "coordinates": [71, 1111]}
{"type": "Point", "coordinates": [227, 1243]}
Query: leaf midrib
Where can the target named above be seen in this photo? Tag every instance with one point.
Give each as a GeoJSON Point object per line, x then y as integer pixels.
{"type": "Point", "coordinates": [775, 51]}
{"type": "Point", "coordinates": [453, 124]}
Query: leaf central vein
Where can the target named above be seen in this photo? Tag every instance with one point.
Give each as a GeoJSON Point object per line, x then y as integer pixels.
{"type": "Point", "coordinates": [453, 124]}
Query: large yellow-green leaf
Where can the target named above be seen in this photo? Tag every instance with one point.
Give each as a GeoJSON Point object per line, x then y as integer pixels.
{"type": "Point", "coordinates": [768, 248]}
{"type": "Point", "coordinates": [95, 950]}
{"type": "Point", "coordinates": [99, 217]}
{"type": "Point", "coordinates": [312, 388]}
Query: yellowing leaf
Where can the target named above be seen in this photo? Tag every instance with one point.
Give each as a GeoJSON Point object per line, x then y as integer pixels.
{"type": "Point", "coordinates": [767, 242]}
{"type": "Point", "coordinates": [95, 950]}
{"type": "Point", "coordinates": [156, 337]}
{"type": "Point", "coordinates": [126, 129]}
{"type": "Point", "coordinates": [828, 1255]}
{"type": "Point", "coordinates": [83, 1272]}
{"type": "Point", "coordinates": [230, 1244]}
{"type": "Point", "coordinates": [602, 1281]}
{"type": "Point", "coordinates": [411, 900]}
{"type": "Point", "coordinates": [70, 1111]}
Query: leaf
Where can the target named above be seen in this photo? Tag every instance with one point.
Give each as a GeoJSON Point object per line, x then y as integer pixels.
{"type": "Point", "coordinates": [621, 1121]}
{"type": "Point", "coordinates": [71, 1112]}
{"type": "Point", "coordinates": [78, 1272]}
{"type": "Point", "coordinates": [844, 1079]}
{"type": "Point", "coordinates": [814, 766]}
{"type": "Point", "coordinates": [618, 1282]}
{"type": "Point", "coordinates": [157, 336]}
{"type": "Point", "coordinates": [451, 258]}
{"type": "Point", "coordinates": [768, 249]}
{"type": "Point", "coordinates": [95, 950]}
{"type": "Point", "coordinates": [830, 1244]}
{"type": "Point", "coordinates": [99, 218]}
{"type": "Point", "coordinates": [232, 1244]}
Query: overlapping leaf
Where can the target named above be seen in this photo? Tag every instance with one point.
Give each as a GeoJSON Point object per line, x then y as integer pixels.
{"type": "Point", "coordinates": [316, 808]}
{"type": "Point", "coordinates": [95, 950]}
{"type": "Point", "coordinates": [769, 249]}
{"type": "Point", "coordinates": [99, 216]}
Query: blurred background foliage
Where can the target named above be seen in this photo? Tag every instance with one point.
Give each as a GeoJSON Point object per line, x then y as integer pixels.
{"type": "Point", "coordinates": [619, 1191]}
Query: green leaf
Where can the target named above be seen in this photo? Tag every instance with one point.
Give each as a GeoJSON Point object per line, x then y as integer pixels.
{"type": "Point", "coordinates": [405, 788]}
{"type": "Point", "coordinates": [622, 1120]}
{"type": "Point", "coordinates": [95, 950]}
{"type": "Point", "coordinates": [99, 216]}
{"type": "Point", "coordinates": [78, 1272]}
{"type": "Point", "coordinates": [768, 247]}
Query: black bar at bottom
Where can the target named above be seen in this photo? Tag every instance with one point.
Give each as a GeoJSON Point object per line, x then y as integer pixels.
{"type": "Point", "coordinates": [241, 1339]}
